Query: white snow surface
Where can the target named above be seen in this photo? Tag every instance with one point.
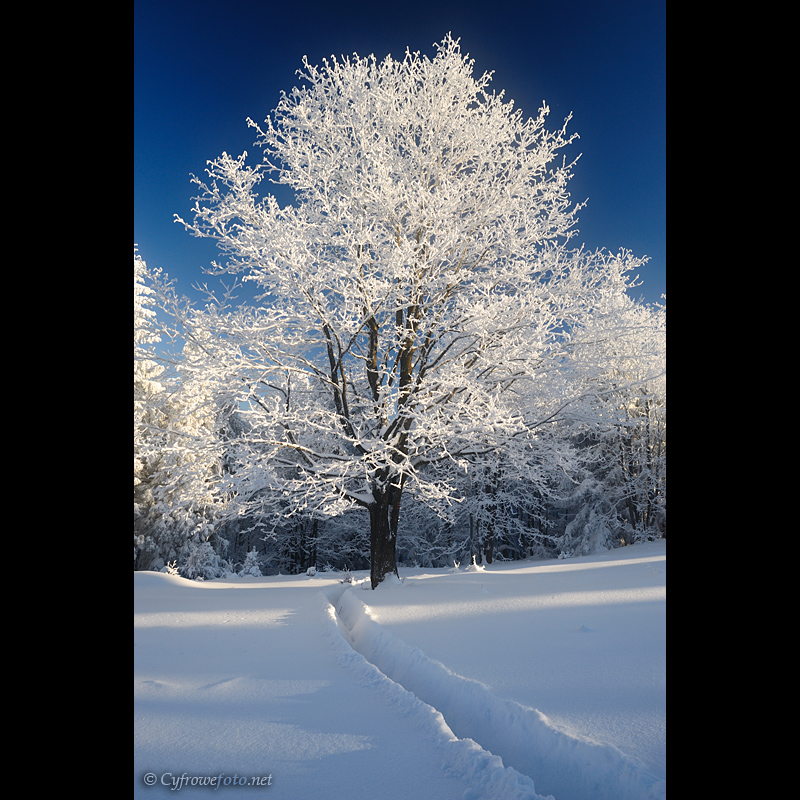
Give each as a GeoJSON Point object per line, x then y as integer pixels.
{"type": "Point", "coordinates": [520, 680]}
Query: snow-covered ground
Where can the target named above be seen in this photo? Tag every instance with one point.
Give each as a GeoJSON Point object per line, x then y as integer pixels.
{"type": "Point", "coordinates": [520, 680]}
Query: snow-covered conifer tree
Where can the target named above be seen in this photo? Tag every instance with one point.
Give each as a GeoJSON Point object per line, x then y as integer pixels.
{"type": "Point", "coordinates": [147, 387]}
{"type": "Point", "coordinates": [146, 371]}
{"type": "Point", "coordinates": [176, 440]}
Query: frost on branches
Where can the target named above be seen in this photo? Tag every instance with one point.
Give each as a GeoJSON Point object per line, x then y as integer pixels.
{"type": "Point", "coordinates": [414, 297]}
{"type": "Point", "coordinates": [621, 424]}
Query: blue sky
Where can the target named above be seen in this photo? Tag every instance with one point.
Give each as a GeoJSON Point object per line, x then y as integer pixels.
{"type": "Point", "coordinates": [202, 67]}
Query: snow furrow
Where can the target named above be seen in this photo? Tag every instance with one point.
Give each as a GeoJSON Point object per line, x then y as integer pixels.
{"type": "Point", "coordinates": [519, 743]}
{"type": "Point", "coordinates": [484, 773]}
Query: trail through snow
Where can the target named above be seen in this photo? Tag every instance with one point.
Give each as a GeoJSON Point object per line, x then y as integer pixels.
{"type": "Point", "coordinates": [430, 688]}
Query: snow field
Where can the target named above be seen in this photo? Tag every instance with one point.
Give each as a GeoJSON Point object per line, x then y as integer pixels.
{"type": "Point", "coordinates": [518, 682]}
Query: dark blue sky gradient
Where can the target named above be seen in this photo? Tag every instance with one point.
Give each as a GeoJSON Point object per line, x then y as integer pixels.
{"type": "Point", "coordinates": [202, 67]}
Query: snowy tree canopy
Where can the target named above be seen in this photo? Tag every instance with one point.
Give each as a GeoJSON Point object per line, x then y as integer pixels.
{"type": "Point", "coordinates": [414, 298]}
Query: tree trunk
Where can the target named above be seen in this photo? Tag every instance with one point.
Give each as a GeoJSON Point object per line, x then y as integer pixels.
{"type": "Point", "coordinates": [384, 515]}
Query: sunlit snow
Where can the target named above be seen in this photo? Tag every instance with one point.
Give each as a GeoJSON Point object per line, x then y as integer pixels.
{"type": "Point", "coordinates": [521, 680]}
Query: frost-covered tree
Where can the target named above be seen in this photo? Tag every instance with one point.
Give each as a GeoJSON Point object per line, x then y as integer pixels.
{"type": "Point", "coordinates": [620, 424]}
{"type": "Point", "coordinates": [412, 295]}
{"type": "Point", "coordinates": [177, 442]}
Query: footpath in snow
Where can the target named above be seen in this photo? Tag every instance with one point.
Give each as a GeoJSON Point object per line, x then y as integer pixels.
{"type": "Point", "coordinates": [322, 689]}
